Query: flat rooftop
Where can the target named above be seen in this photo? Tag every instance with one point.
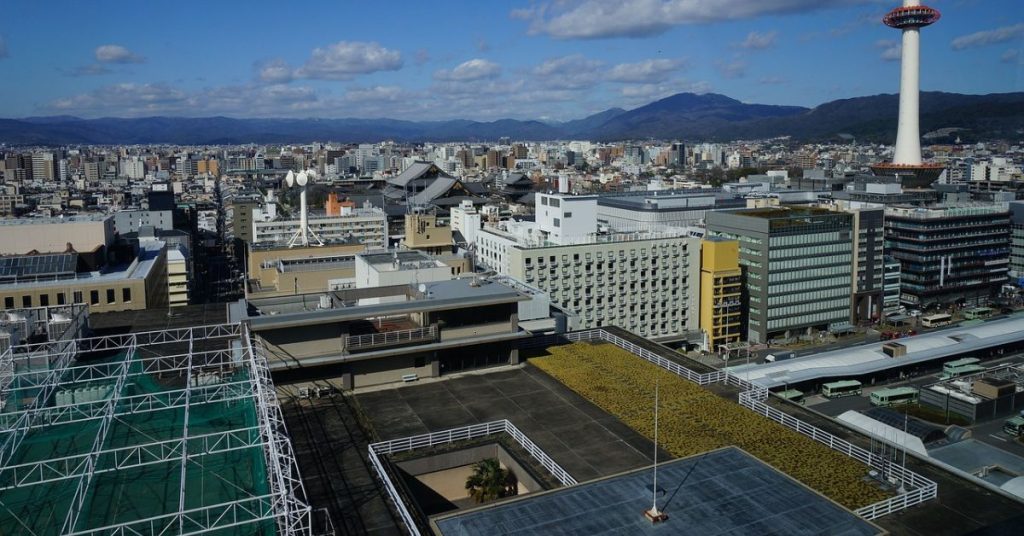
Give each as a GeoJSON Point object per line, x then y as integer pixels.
{"type": "Point", "coordinates": [581, 437]}
{"type": "Point", "coordinates": [81, 218]}
{"type": "Point", "coordinates": [726, 491]}
{"type": "Point", "coordinates": [303, 309]}
{"type": "Point", "coordinates": [139, 268]}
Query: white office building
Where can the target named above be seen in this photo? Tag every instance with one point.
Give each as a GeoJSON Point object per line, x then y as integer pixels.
{"type": "Point", "coordinates": [645, 282]}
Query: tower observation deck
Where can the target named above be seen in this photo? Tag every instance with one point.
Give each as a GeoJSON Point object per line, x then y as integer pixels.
{"type": "Point", "coordinates": [906, 162]}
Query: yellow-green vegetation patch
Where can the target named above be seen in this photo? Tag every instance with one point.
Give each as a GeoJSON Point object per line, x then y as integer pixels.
{"type": "Point", "coordinates": [693, 420]}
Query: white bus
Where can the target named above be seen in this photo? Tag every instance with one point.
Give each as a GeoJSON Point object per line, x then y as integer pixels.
{"type": "Point", "coordinates": [841, 388]}
{"type": "Point", "coordinates": [936, 320]}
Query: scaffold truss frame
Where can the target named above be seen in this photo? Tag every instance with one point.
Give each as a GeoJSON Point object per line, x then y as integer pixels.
{"type": "Point", "coordinates": [192, 374]}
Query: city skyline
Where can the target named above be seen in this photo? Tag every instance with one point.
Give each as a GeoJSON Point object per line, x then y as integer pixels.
{"type": "Point", "coordinates": [481, 61]}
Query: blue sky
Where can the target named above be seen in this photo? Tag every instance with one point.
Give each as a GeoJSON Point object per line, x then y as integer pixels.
{"type": "Point", "coordinates": [478, 59]}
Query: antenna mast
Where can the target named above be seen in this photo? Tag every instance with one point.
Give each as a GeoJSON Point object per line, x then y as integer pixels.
{"type": "Point", "coordinates": [653, 514]}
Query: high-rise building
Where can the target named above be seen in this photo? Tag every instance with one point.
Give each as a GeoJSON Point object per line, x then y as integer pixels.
{"type": "Point", "coordinates": [868, 263]}
{"type": "Point", "coordinates": [1017, 239]}
{"type": "Point", "coordinates": [43, 168]}
{"type": "Point", "coordinates": [949, 254]}
{"type": "Point", "coordinates": [797, 267]}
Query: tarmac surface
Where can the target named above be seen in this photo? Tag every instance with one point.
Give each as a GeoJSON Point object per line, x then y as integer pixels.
{"type": "Point", "coordinates": [579, 436]}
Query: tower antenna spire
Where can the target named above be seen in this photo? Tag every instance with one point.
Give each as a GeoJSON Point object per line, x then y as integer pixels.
{"type": "Point", "coordinates": [906, 161]}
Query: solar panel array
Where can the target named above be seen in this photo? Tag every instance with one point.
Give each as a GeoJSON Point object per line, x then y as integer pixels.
{"type": "Point", "coordinates": [54, 264]}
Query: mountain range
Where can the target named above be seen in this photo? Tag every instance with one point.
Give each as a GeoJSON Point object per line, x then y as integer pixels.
{"type": "Point", "coordinates": [685, 116]}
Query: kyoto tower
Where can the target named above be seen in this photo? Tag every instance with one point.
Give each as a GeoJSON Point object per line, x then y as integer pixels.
{"type": "Point", "coordinates": [906, 162]}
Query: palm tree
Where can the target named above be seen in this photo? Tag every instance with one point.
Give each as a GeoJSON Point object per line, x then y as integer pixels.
{"type": "Point", "coordinates": [490, 481]}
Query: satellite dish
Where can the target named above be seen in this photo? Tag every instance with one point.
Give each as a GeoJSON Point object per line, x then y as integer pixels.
{"type": "Point", "coordinates": [423, 288]}
{"type": "Point", "coordinates": [301, 180]}
{"type": "Point", "coordinates": [289, 179]}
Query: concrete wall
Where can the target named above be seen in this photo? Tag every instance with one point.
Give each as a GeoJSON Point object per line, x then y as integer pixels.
{"type": "Point", "coordinates": [469, 456]}
{"type": "Point", "coordinates": [52, 237]}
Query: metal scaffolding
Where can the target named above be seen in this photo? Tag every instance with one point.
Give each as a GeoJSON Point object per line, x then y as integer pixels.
{"type": "Point", "coordinates": [162, 432]}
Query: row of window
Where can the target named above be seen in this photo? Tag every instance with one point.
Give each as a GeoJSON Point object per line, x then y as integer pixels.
{"type": "Point", "coordinates": [808, 251]}
{"type": "Point", "coordinates": [815, 313]}
{"type": "Point", "coordinates": [817, 295]}
{"type": "Point", "coordinates": [60, 298]}
{"type": "Point", "coordinates": [820, 283]}
{"type": "Point", "coordinates": [807, 262]}
{"type": "Point", "coordinates": [810, 273]}
{"type": "Point", "coordinates": [811, 238]}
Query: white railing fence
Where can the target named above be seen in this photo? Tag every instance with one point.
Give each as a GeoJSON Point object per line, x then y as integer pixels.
{"type": "Point", "coordinates": [445, 437]}
{"type": "Point", "coordinates": [918, 489]}
{"type": "Point", "coordinates": [369, 340]}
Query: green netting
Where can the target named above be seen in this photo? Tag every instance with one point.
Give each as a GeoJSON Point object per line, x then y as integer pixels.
{"type": "Point", "coordinates": [126, 495]}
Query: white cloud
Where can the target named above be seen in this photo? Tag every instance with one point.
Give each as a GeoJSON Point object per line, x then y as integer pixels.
{"type": "Point", "coordinates": [116, 54]}
{"type": "Point", "coordinates": [142, 100]}
{"type": "Point", "coordinates": [345, 60]}
{"type": "Point", "coordinates": [648, 71]}
{"type": "Point", "coordinates": [988, 37]}
{"type": "Point", "coordinates": [891, 50]}
{"type": "Point", "coordinates": [1010, 56]}
{"type": "Point", "coordinates": [569, 72]}
{"type": "Point", "coordinates": [275, 71]}
{"type": "Point", "coordinates": [594, 19]}
{"type": "Point", "coordinates": [758, 40]}
{"type": "Point", "coordinates": [771, 80]}
{"type": "Point", "coordinates": [475, 69]}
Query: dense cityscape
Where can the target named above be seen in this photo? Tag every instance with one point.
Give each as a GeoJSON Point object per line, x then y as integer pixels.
{"type": "Point", "coordinates": [639, 321]}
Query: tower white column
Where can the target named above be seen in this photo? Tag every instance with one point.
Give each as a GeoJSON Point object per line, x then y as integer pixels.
{"type": "Point", "coordinates": [908, 134]}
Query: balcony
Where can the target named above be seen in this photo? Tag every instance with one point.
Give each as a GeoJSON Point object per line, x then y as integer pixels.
{"type": "Point", "coordinates": [390, 338]}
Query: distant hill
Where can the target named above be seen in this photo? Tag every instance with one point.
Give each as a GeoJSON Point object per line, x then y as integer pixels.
{"type": "Point", "coordinates": [684, 116]}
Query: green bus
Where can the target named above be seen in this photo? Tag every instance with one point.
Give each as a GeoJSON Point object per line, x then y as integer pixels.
{"type": "Point", "coordinates": [792, 395]}
{"type": "Point", "coordinates": [841, 388]}
{"type": "Point", "coordinates": [978, 312]}
{"type": "Point", "coordinates": [1014, 426]}
{"type": "Point", "coordinates": [893, 396]}
{"type": "Point", "coordinates": [961, 367]}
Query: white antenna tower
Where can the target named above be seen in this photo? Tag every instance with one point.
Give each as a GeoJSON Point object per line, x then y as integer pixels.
{"type": "Point", "coordinates": [654, 514]}
{"type": "Point", "coordinates": [304, 236]}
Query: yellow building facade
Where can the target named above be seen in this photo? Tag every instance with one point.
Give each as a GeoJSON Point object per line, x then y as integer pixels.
{"type": "Point", "coordinates": [720, 286]}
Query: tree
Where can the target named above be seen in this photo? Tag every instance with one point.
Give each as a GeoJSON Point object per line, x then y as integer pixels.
{"type": "Point", "coordinates": [489, 481]}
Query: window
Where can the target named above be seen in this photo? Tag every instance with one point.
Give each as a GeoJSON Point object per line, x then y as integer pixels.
{"type": "Point", "coordinates": [110, 295]}
{"type": "Point", "coordinates": [558, 222]}
{"type": "Point", "coordinates": [567, 215]}
{"type": "Point", "coordinates": [9, 302]}
{"type": "Point", "coordinates": [77, 297]}
{"type": "Point", "coordinates": [94, 297]}
{"type": "Point", "coordinates": [60, 298]}
{"type": "Point", "coordinates": [44, 300]}
{"type": "Point", "coordinates": [26, 301]}
{"type": "Point", "coordinates": [126, 295]}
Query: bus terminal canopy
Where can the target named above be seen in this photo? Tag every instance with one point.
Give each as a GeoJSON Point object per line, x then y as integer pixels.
{"type": "Point", "coordinates": [945, 344]}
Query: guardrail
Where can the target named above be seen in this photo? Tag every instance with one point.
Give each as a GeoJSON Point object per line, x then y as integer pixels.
{"type": "Point", "coordinates": [445, 437]}
{"type": "Point", "coordinates": [369, 340]}
{"type": "Point", "coordinates": [754, 397]}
